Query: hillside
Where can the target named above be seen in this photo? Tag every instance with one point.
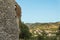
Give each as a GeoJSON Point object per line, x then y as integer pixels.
{"type": "Point", "coordinates": [37, 28]}
{"type": "Point", "coordinates": [33, 25]}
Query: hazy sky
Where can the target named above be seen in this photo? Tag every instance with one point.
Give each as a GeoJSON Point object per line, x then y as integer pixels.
{"type": "Point", "coordinates": [40, 10]}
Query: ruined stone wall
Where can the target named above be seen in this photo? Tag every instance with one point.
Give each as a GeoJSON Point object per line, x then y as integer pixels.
{"type": "Point", "coordinates": [8, 26]}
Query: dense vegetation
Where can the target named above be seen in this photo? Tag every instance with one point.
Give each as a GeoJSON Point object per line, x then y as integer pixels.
{"type": "Point", "coordinates": [25, 34]}
{"type": "Point", "coordinates": [40, 31]}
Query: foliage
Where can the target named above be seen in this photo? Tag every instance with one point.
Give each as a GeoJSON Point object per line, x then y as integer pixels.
{"type": "Point", "coordinates": [36, 29]}
{"type": "Point", "coordinates": [39, 37]}
{"type": "Point", "coordinates": [24, 32]}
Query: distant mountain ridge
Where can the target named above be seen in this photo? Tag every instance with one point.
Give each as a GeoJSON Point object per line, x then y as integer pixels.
{"type": "Point", "coordinates": [48, 28]}
{"type": "Point", "coordinates": [42, 24]}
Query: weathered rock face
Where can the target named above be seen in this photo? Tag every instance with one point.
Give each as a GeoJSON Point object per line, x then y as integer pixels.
{"type": "Point", "coordinates": [8, 26]}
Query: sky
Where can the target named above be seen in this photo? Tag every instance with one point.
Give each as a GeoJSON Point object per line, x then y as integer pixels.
{"type": "Point", "coordinates": [40, 10]}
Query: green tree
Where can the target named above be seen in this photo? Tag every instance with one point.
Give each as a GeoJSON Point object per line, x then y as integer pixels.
{"type": "Point", "coordinates": [25, 34]}
{"type": "Point", "coordinates": [40, 37]}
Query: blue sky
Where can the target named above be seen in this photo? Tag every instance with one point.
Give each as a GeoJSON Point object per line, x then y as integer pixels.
{"type": "Point", "coordinates": [40, 10]}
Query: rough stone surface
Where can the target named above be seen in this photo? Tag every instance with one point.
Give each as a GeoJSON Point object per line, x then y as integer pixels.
{"type": "Point", "coordinates": [8, 26]}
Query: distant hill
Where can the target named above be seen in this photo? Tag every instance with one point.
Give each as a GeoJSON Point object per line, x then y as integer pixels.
{"type": "Point", "coordinates": [42, 24]}
{"type": "Point", "coordinates": [37, 28]}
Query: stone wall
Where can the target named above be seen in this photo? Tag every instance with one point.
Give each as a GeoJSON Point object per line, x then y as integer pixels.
{"type": "Point", "coordinates": [8, 26]}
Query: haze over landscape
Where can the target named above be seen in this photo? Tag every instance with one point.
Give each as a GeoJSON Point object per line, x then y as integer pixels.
{"type": "Point", "coordinates": [40, 10]}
